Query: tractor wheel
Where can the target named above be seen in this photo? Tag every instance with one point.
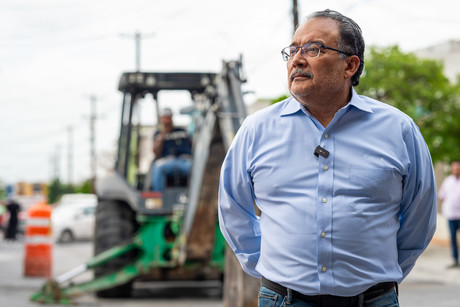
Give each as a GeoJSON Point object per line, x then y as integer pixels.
{"type": "Point", "coordinates": [115, 224]}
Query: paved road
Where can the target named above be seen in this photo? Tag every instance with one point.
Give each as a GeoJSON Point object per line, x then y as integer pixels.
{"type": "Point", "coordinates": [430, 284]}
{"type": "Point", "coordinates": [15, 289]}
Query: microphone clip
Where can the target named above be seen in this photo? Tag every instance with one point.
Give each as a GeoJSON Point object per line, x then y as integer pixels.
{"type": "Point", "coordinates": [320, 151]}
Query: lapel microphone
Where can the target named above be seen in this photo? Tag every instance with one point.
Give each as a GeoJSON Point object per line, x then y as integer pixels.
{"type": "Point", "coordinates": [320, 151]}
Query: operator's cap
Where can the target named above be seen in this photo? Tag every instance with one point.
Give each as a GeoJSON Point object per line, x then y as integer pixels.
{"type": "Point", "coordinates": [166, 112]}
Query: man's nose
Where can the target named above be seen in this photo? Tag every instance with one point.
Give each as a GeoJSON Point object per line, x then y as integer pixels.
{"type": "Point", "coordinates": [298, 59]}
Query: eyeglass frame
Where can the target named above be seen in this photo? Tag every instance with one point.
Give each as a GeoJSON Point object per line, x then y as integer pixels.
{"type": "Point", "coordinates": [287, 57]}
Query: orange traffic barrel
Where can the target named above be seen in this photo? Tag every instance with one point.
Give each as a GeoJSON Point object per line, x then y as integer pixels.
{"type": "Point", "coordinates": [38, 242]}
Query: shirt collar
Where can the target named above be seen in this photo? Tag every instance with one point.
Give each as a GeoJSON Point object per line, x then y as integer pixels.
{"type": "Point", "coordinates": [293, 106]}
{"type": "Point", "coordinates": [359, 103]}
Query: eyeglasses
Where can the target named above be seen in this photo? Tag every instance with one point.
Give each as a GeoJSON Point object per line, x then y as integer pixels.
{"type": "Point", "coordinates": [313, 50]}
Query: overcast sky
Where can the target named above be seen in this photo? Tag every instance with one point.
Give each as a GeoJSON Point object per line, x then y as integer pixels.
{"type": "Point", "coordinates": [55, 54]}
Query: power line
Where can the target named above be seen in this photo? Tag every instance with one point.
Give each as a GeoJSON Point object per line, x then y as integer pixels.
{"type": "Point", "coordinates": [36, 136]}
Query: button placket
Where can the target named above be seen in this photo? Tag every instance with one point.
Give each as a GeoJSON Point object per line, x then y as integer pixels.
{"type": "Point", "coordinates": [324, 213]}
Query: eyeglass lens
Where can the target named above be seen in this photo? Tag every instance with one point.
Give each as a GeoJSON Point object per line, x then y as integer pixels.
{"type": "Point", "coordinates": [311, 50]}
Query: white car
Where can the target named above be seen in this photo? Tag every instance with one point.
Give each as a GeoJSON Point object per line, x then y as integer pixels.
{"type": "Point", "coordinates": [73, 218]}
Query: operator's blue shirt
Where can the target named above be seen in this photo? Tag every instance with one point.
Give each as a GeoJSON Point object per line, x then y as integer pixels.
{"type": "Point", "coordinates": [335, 225]}
{"type": "Point", "coordinates": [176, 143]}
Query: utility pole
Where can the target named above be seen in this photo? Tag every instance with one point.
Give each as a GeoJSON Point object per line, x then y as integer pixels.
{"type": "Point", "coordinates": [92, 129]}
{"type": "Point", "coordinates": [70, 155]}
{"type": "Point", "coordinates": [295, 14]}
{"type": "Point", "coordinates": [57, 162]}
{"type": "Point", "coordinates": [51, 165]}
{"type": "Point", "coordinates": [137, 40]}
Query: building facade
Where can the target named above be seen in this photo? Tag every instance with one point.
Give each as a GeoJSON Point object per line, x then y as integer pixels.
{"type": "Point", "coordinates": [448, 53]}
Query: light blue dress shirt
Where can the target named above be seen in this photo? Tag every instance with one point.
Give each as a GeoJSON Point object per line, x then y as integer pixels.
{"type": "Point", "coordinates": [335, 225]}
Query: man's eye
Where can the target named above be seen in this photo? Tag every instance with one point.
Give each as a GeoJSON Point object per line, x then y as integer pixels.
{"type": "Point", "coordinates": [312, 49]}
{"type": "Point", "coordinates": [292, 50]}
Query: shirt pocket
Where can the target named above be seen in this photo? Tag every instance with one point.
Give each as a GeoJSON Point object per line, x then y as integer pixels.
{"type": "Point", "coordinates": [371, 187]}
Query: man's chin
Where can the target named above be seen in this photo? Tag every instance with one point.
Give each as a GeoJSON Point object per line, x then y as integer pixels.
{"type": "Point", "coordinates": [298, 93]}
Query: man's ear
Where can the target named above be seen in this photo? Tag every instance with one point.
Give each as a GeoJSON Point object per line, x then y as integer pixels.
{"type": "Point", "coordinates": [352, 66]}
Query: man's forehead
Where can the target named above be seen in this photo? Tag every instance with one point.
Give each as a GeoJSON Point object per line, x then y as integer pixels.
{"type": "Point", "coordinates": [316, 30]}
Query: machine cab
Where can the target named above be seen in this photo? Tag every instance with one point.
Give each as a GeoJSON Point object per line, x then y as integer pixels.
{"type": "Point", "coordinates": [145, 96]}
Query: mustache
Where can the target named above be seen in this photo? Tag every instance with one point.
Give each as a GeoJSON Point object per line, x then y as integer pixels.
{"type": "Point", "coordinates": [300, 72]}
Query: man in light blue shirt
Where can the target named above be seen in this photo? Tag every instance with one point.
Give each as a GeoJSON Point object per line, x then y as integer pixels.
{"type": "Point", "coordinates": [344, 183]}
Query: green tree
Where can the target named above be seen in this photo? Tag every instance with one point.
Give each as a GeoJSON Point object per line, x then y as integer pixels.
{"type": "Point", "coordinates": [55, 190]}
{"type": "Point", "coordinates": [86, 187]}
{"type": "Point", "coordinates": [2, 191]}
{"type": "Point", "coordinates": [419, 88]}
{"type": "Point", "coordinates": [279, 98]}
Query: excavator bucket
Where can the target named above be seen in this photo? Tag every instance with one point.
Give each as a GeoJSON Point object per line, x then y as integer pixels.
{"type": "Point", "coordinates": [51, 293]}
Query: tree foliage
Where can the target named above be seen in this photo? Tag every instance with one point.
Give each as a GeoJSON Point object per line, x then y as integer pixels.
{"type": "Point", "coordinates": [419, 88]}
{"type": "Point", "coordinates": [57, 189]}
{"type": "Point", "coordinates": [2, 192]}
{"type": "Point", "coordinates": [280, 98]}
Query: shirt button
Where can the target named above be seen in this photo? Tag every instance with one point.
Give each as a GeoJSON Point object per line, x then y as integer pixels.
{"type": "Point", "coordinates": [324, 200]}
{"type": "Point", "coordinates": [324, 269]}
{"type": "Point", "coordinates": [323, 234]}
{"type": "Point", "coordinates": [326, 136]}
{"type": "Point", "coordinates": [325, 167]}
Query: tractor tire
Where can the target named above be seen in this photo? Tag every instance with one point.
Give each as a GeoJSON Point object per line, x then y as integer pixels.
{"type": "Point", "coordinates": [115, 224]}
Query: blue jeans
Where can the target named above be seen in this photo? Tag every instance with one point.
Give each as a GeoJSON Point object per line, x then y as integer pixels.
{"type": "Point", "coordinates": [269, 298]}
{"type": "Point", "coordinates": [454, 226]}
{"type": "Point", "coordinates": [169, 166]}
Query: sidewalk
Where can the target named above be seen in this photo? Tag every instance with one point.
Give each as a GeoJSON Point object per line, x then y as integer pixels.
{"type": "Point", "coordinates": [431, 283]}
{"type": "Point", "coordinates": [442, 236]}
{"type": "Point", "coordinates": [432, 264]}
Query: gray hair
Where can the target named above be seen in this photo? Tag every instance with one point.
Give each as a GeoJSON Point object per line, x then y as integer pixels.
{"type": "Point", "coordinates": [350, 40]}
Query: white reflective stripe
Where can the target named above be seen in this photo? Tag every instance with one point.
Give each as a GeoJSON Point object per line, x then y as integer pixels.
{"type": "Point", "coordinates": [38, 222]}
{"type": "Point", "coordinates": [38, 240]}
